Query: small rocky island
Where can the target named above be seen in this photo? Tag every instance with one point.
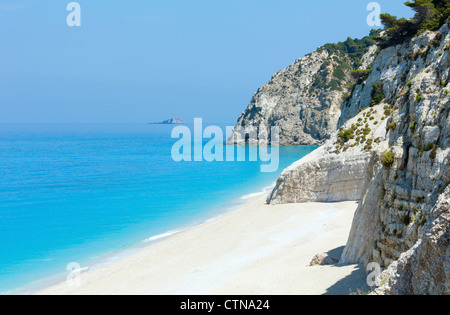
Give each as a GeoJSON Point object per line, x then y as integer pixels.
{"type": "Point", "coordinates": [172, 121]}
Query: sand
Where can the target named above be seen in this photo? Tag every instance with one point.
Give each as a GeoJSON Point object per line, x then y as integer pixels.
{"type": "Point", "coordinates": [256, 249]}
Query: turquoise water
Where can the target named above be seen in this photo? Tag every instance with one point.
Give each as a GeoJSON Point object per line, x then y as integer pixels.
{"type": "Point", "coordinates": [76, 193]}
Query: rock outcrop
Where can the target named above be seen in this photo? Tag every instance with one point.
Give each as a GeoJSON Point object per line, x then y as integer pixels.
{"type": "Point", "coordinates": [335, 172]}
{"type": "Point", "coordinates": [424, 269]}
{"type": "Point", "coordinates": [323, 260]}
{"type": "Point", "coordinates": [305, 100]}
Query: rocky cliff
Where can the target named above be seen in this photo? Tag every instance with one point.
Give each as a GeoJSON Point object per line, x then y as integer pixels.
{"type": "Point", "coordinates": [305, 100]}
{"type": "Point", "coordinates": [407, 180]}
{"type": "Point", "coordinates": [338, 170]}
{"type": "Point", "coordinates": [393, 157]}
{"type": "Point", "coordinates": [424, 269]}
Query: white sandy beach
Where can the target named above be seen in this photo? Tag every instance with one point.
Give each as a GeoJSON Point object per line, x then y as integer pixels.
{"type": "Point", "coordinates": [256, 249]}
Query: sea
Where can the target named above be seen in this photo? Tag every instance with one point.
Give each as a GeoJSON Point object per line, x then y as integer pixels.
{"type": "Point", "coordinates": [90, 194]}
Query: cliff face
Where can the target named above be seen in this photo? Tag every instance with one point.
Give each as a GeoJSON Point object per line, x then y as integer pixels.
{"type": "Point", "coordinates": [398, 168]}
{"type": "Point", "coordinates": [335, 172]}
{"type": "Point", "coordinates": [305, 100]}
{"type": "Point", "coordinates": [424, 269]}
{"type": "Point", "coordinates": [400, 195]}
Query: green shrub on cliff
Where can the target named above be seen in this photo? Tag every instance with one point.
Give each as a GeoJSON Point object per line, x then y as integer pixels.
{"type": "Point", "coordinates": [338, 73]}
{"type": "Point", "coordinates": [346, 97]}
{"type": "Point", "coordinates": [429, 147]}
{"type": "Point", "coordinates": [345, 135]}
{"type": "Point", "coordinates": [354, 48]}
{"type": "Point", "coordinates": [406, 220]}
{"type": "Point", "coordinates": [409, 84]}
{"type": "Point", "coordinates": [360, 75]}
{"type": "Point", "coordinates": [388, 159]}
{"type": "Point", "coordinates": [392, 125]}
{"type": "Point", "coordinates": [418, 98]}
{"type": "Point", "coordinates": [377, 94]}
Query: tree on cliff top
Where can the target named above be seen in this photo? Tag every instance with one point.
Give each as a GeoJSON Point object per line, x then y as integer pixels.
{"type": "Point", "coordinates": [430, 15]}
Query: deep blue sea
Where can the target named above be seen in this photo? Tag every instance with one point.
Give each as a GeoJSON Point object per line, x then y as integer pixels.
{"type": "Point", "coordinates": [80, 193]}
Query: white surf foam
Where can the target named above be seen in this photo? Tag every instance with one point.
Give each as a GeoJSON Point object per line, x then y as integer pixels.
{"type": "Point", "coordinates": [256, 194]}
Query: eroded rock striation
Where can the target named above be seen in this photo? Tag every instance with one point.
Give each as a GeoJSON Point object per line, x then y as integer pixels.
{"type": "Point", "coordinates": [406, 180]}
{"type": "Point", "coordinates": [424, 269]}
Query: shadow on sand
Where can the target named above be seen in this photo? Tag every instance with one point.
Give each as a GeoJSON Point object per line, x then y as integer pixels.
{"type": "Point", "coordinates": [355, 283]}
{"type": "Point", "coordinates": [336, 253]}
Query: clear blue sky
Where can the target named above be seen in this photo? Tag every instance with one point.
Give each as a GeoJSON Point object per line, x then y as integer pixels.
{"type": "Point", "coordinates": [147, 60]}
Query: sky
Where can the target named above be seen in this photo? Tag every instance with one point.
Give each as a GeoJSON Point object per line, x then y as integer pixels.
{"type": "Point", "coordinates": [140, 61]}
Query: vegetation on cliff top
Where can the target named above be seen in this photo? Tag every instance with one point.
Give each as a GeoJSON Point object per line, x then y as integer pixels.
{"type": "Point", "coordinates": [354, 48]}
{"type": "Point", "coordinates": [430, 15]}
{"type": "Point", "coordinates": [345, 58]}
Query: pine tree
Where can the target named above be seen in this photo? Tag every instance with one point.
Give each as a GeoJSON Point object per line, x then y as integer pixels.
{"type": "Point", "coordinates": [430, 15]}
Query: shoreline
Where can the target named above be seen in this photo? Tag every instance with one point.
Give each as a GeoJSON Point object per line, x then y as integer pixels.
{"type": "Point", "coordinates": [115, 255]}
{"type": "Point", "coordinates": [184, 263]}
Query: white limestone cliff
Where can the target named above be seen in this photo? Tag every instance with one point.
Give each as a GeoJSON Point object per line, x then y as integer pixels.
{"type": "Point", "coordinates": [425, 268]}
{"type": "Point", "coordinates": [329, 174]}
{"type": "Point", "coordinates": [399, 178]}
{"type": "Point", "coordinates": [305, 100]}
